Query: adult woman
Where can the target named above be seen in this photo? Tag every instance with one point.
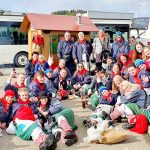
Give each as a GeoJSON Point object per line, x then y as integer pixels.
{"type": "Point", "coordinates": [124, 61]}
{"type": "Point", "coordinates": [139, 50]}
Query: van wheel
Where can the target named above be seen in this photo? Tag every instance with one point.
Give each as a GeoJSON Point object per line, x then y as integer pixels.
{"type": "Point", "coordinates": [21, 59]}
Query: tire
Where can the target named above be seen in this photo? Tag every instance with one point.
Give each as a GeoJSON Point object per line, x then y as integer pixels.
{"type": "Point", "coordinates": [20, 59]}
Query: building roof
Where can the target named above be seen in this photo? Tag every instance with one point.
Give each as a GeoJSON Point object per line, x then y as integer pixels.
{"type": "Point", "coordinates": [56, 23]}
{"type": "Point", "coordinates": [109, 15]}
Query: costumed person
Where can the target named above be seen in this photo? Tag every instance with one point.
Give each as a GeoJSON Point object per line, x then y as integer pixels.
{"type": "Point", "coordinates": [6, 103]}
{"type": "Point", "coordinates": [82, 50]}
{"type": "Point", "coordinates": [41, 64]}
{"type": "Point", "coordinates": [101, 44]}
{"type": "Point", "coordinates": [119, 46]}
{"type": "Point", "coordinates": [64, 51]}
{"type": "Point", "coordinates": [38, 85]}
{"type": "Point", "coordinates": [20, 83]}
{"type": "Point", "coordinates": [61, 65]}
{"type": "Point", "coordinates": [30, 66]}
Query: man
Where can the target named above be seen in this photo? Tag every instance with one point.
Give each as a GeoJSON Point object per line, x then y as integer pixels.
{"type": "Point", "coordinates": [100, 45]}
{"type": "Point", "coordinates": [119, 46]}
{"type": "Point", "coordinates": [82, 50]}
{"type": "Point", "coordinates": [64, 51]}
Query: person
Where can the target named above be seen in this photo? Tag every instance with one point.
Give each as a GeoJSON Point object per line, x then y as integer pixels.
{"type": "Point", "coordinates": [41, 64]}
{"type": "Point", "coordinates": [144, 75]}
{"type": "Point", "coordinates": [61, 65]}
{"type": "Point", "coordinates": [6, 103]}
{"type": "Point", "coordinates": [80, 77]}
{"type": "Point", "coordinates": [139, 50]}
{"type": "Point", "coordinates": [146, 57]}
{"type": "Point", "coordinates": [115, 70]}
{"type": "Point", "coordinates": [63, 85]}
{"type": "Point", "coordinates": [106, 97]}
{"type": "Point", "coordinates": [64, 51]}
{"type": "Point", "coordinates": [132, 51]}
{"type": "Point", "coordinates": [47, 107]}
{"type": "Point", "coordinates": [101, 44]}
{"type": "Point", "coordinates": [30, 66]}
{"type": "Point", "coordinates": [109, 65]}
{"type": "Point", "coordinates": [119, 46]}
{"type": "Point", "coordinates": [49, 81]}
{"type": "Point", "coordinates": [82, 50]}
{"type": "Point", "coordinates": [38, 85]}
{"type": "Point", "coordinates": [134, 75]}
{"type": "Point", "coordinates": [20, 83]}
{"type": "Point", "coordinates": [124, 61]}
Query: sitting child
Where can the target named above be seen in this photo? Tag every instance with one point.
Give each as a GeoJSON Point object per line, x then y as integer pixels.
{"type": "Point", "coordinates": [6, 108]}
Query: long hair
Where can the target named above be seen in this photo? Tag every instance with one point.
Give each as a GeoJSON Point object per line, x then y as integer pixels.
{"type": "Point", "coordinates": [114, 87]}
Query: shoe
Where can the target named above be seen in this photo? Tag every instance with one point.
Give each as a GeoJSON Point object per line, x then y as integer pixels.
{"type": "Point", "coordinates": [106, 115]}
{"type": "Point", "coordinates": [57, 136]}
{"type": "Point", "coordinates": [128, 126]}
{"type": "Point", "coordinates": [70, 142]}
{"type": "Point", "coordinates": [70, 135]}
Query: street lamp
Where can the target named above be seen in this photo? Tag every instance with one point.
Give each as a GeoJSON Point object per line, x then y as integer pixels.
{"type": "Point", "coordinates": [139, 5]}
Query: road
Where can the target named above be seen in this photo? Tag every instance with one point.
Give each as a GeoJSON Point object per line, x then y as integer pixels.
{"type": "Point", "coordinates": [9, 142]}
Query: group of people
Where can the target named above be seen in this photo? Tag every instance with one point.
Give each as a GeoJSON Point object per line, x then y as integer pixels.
{"type": "Point", "coordinates": [31, 107]}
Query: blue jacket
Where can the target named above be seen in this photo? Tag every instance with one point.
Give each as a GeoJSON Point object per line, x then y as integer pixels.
{"type": "Point", "coordinates": [84, 79]}
{"type": "Point", "coordinates": [34, 89]}
{"type": "Point", "coordinates": [146, 74]}
{"type": "Point", "coordinates": [111, 102]}
{"type": "Point", "coordinates": [120, 48]}
{"type": "Point", "coordinates": [78, 50]}
{"type": "Point", "coordinates": [138, 97]}
{"type": "Point", "coordinates": [39, 67]}
{"type": "Point", "coordinates": [5, 116]}
{"type": "Point", "coordinates": [56, 73]}
{"type": "Point", "coordinates": [64, 50]}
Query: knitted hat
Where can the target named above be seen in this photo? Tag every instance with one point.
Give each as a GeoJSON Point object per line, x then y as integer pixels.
{"type": "Point", "coordinates": [141, 124]}
{"type": "Point", "coordinates": [9, 93]}
{"type": "Point", "coordinates": [138, 62]}
{"type": "Point", "coordinates": [48, 71]}
{"type": "Point", "coordinates": [102, 88]}
{"type": "Point", "coordinates": [118, 33]}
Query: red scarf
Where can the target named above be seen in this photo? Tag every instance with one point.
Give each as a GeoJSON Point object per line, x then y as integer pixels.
{"type": "Point", "coordinates": [82, 72]}
{"type": "Point", "coordinates": [113, 74]}
{"type": "Point", "coordinates": [19, 86]}
{"type": "Point", "coordinates": [5, 104]}
{"type": "Point", "coordinates": [82, 42]}
{"type": "Point", "coordinates": [108, 97]}
{"type": "Point", "coordinates": [34, 62]}
{"type": "Point", "coordinates": [40, 85]}
{"type": "Point", "coordinates": [136, 79]}
{"type": "Point", "coordinates": [42, 62]}
{"type": "Point", "coordinates": [43, 106]}
{"type": "Point", "coordinates": [20, 101]}
{"type": "Point", "coordinates": [125, 65]}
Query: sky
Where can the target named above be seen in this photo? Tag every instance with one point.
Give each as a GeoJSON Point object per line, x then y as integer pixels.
{"type": "Point", "coordinates": [139, 7]}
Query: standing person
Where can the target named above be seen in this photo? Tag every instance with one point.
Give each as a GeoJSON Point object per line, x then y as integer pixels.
{"type": "Point", "coordinates": [119, 46]}
{"type": "Point", "coordinates": [30, 66]}
{"type": "Point", "coordinates": [64, 51]}
{"type": "Point", "coordinates": [100, 45]}
{"type": "Point", "coordinates": [82, 50]}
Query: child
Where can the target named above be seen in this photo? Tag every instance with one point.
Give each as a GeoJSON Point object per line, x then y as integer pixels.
{"type": "Point", "coordinates": [47, 108]}
{"type": "Point", "coordinates": [62, 85]}
{"type": "Point", "coordinates": [6, 108]}
{"type": "Point", "coordinates": [107, 97]}
{"type": "Point", "coordinates": [38, 85]}
{"type": "Point", "coordinates": [109, 65]}
{"type": "Point", "coordinates": [41, 64]}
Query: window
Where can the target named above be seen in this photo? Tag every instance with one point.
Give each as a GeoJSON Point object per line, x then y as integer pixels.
{"type": "Point", "coordinates": [10, 35]}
